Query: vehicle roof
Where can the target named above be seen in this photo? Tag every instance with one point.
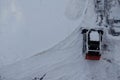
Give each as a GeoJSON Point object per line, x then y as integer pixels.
{"type": "Point", "coordinates": [94, 36]}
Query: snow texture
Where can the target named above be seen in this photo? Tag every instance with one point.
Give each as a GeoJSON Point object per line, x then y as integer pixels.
{"type": "Point", "coordinates": [75, 9]}
{"type": "Point", "coordinates": [65, 60]}
{"type": "Point", "coordinates": [114, 11]}
{"type": "Point", "coordinates": [26, 30]}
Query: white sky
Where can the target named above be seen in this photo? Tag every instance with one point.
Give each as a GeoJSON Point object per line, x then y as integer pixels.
{"type": "Point", "coordinates": [31, 26]}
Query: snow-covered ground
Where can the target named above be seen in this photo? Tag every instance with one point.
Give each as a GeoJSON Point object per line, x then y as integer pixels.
{"type": "Point", "coordinates": [65, 60]}
{"type": "Point", "coordinates": [114, 11]}
{"type": "Point", "coordinates": [28, 27]}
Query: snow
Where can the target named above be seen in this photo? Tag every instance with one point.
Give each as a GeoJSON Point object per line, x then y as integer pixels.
{"type": "Point", "coordinates": [76, 8]}
{"type": "Point", "coordinates": [65, 60]}
{"type": "Point", "coordinates": [26, 30]}
{"type": "Point", "coordinates": [94, 36]}
{"type": "Point", "coordinates": [114, 11]}
{"type": "Point", "coordinates": [117, 29]}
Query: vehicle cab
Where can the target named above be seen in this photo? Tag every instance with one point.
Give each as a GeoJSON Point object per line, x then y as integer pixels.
{"type": "Point", "coordinates": [92, 41]}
